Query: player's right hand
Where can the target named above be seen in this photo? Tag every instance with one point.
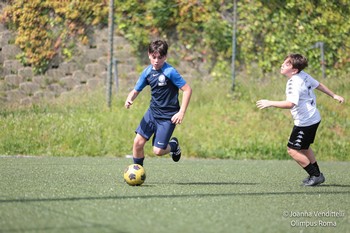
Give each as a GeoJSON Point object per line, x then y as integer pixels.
{"type": "Point", "coordinates": [261, 104]}
{"type": "Point", "coordinates": [128, 103]}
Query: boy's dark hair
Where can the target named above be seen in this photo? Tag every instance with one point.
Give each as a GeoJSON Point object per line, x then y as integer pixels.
{"type": "Point", "coordinates": [298, 61]}
{"type": "Point", "coordinates": [159, 46]}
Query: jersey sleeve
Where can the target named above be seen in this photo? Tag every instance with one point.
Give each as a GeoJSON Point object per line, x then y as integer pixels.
{"type": "Point", "coordinates": [314, 82]}
{"type": "Point", "coordinates": [174, 76]}
{"type": "Point", "coordinates": [142, 81]}
{"type": "Point", "coordinates": [292, 91]}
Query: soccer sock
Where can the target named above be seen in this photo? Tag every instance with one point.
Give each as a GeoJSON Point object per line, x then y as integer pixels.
{"type": "Point", "coordinates": [173, 146]}
{"type": "Point", "coordinates": [312, 170]}
{"type": "Point", "coordinates": [316, 166]}
{"type": "Point", "coordinates": [138, 161]}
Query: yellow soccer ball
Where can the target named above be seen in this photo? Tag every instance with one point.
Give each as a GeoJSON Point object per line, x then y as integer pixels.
{"type": "Point", "coordinates": [134, 175]}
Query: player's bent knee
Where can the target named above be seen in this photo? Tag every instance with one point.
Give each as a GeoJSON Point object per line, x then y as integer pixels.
{"type": "Point", "coordinates": [291, 151]}
{"type": "Point", "coordinates": [158, 151]}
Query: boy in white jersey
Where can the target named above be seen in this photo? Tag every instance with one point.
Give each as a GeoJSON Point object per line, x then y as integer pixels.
{"type": "Point", "coordinates": [301, 101]}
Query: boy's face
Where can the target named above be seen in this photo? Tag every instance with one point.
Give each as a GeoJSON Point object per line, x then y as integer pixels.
{"type": "Point", "coordinates": [287, 68]}
{"type": "Point", "coordinates": [157, 60]}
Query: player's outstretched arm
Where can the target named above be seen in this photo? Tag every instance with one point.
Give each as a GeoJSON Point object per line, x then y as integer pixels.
{"type": "Point", "coordinates": [327, 91]}
{"type": "Point", "coordinates": [261, 104]}
{"type": "Point", "coordinates": [131, 97]}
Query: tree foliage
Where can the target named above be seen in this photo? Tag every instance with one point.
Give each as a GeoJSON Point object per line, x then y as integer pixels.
{"type": "Point", "coordinates": [200, 30]}
{"type": "Point", "coordinates": [269, 30]}
{"type": "Point", "coordinates": [45, 27]}
{"type": "Point", "coordinates": [266, 30]}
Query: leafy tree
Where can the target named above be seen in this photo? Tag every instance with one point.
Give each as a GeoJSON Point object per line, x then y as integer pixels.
{"type": "Point", "coordinates": [45, 27]}
{"type": "Point", "coordinates": [268, 30]}
{"type": "Point", "coordinates": [200, 30]}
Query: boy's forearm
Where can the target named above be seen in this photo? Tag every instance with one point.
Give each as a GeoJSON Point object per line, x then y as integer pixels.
{"type": "Point", "coordinates": [132, 95]}
{"type": "Point", "coordinates": [277, 104]}
{"type": "Point", "coordinates": [187, 93]}
{"type": "Point", "coordinates": [282, 104]}
{"type": "Point", "coordinates": [129, 100]}
{"type": "Point", "coordinates": [324, 89]}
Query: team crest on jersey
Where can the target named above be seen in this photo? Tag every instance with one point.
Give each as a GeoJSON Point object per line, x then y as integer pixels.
{"type": "Point", "coordinates": [162, 80]}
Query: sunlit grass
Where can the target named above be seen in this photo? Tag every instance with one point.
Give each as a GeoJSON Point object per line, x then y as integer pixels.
{"type": "Point", "coordinates": [219, 123]}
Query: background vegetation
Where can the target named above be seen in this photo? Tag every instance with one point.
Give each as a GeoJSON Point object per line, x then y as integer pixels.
{"type": "Point", "coordinates": [218, 124]}
{"type": "Point", "coordinates": [200, 31]}
{"type": "Point", "coordinates": [50, 28]}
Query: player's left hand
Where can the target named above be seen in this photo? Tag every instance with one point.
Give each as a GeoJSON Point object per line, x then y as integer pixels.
{"type": "Point", "coordinates": [177, 118]}
{"type": "Point", "coordinates": [340, 99]}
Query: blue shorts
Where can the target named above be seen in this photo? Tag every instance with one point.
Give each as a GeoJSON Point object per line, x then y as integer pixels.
{"type": "Point", "coordinates": [161, 128]}
{"type": "Point", "coordinates": [302, 137]}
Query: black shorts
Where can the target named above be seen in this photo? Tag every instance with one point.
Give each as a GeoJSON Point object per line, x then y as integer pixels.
{"type": "Point", "coordinates": [302, 137]}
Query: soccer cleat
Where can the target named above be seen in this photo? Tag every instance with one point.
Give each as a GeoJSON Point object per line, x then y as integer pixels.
{"type": "Point", "coordinates": [315, 180]}
{"type": "Point", "coordinates": [306, 179]}
{"type": "Point", "coordinates": [176, 155]}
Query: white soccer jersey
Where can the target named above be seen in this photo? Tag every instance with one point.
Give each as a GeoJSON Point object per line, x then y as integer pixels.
{"type": "Point", "coordinates": [300, 91]}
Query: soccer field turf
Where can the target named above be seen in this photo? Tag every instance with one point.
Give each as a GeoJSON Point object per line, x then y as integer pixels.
{"type": "Point", "coordinates": [85, 194]}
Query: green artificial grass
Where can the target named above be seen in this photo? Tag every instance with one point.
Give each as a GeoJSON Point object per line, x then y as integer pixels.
{"type": "Point", "coordinates": [88, 194]}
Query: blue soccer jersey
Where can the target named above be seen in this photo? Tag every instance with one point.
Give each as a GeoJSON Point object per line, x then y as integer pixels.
{"type": "Point", "coordinates": [165, 84]}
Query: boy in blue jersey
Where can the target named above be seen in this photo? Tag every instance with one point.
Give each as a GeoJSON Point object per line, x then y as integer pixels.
{"type": "Point", "coordinates": [301, 100]}
{"type": "Point", "coordinates": [164, 112]}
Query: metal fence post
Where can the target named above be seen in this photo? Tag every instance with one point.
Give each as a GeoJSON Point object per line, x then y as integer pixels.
{"type": "Point", "coordinates": [110, 53]}
{"type": "Point", "coordinates": [115, 64]}
{"type": "Point", "coordinates": [234, 44]}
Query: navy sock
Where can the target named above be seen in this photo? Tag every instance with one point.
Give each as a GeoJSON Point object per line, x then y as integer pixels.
{"type": "Point", "coordinates": [316, 166]}
{"type": "Point", "coordinates": [312, 170]}
{"type": "Point", "coordinates": [173, 146]}
{"type": "Point", "coordinates": [138, 161]}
